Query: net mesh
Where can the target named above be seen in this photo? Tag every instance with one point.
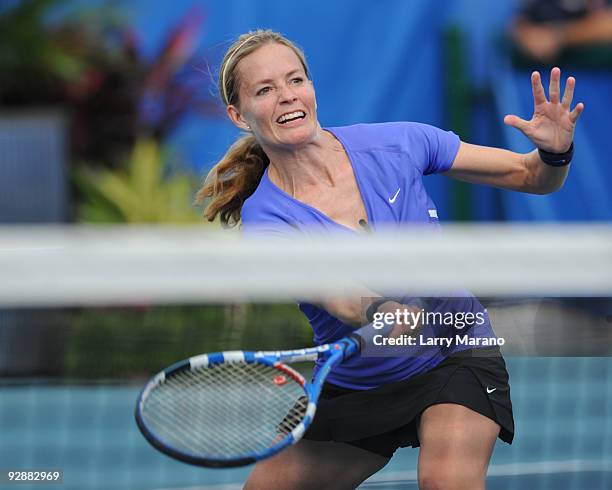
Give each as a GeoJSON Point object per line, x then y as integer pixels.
{"type": "Point", "coordinates": [80, 333]}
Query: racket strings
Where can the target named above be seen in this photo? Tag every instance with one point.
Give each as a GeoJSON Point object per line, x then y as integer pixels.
{"type": "Point", "coordinates": [193, 405]}
{"type": "Point", "coordinates": [274, 395]}
{"type": "Point", "coordinates": [225, 410]}
{"type": "Point", "coordinates": [183, 403]}
{"type": "Point", "coordinates": [294, 416]}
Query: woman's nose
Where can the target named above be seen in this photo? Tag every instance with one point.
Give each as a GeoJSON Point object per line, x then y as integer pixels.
{"type": "Point", "coordinates": [287, 95]}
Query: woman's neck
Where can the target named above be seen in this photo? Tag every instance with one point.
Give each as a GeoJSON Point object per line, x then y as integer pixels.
{"type": "Point", "coordinates": [315, 164]}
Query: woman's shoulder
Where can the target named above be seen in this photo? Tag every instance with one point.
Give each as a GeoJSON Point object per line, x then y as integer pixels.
{"type": "Point", "coordinates": [385, 135]}
{"type": "Point", "coordinates": [266, 209]}
{"type": "Point", "coordinates": [260, 205]}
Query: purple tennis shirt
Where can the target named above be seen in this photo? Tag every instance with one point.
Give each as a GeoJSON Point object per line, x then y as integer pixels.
{"type": "Point", "coordinates": [389, 161]}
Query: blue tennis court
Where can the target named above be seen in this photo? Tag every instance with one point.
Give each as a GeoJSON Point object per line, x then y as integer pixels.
{"type": "Point", "coordinates": [563, 409]}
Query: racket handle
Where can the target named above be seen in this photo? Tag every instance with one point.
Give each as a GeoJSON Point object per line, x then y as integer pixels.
{"type": "Point", "coordinates": [355, 343]}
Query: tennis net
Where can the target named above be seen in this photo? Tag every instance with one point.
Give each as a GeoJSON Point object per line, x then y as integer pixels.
{"type": "Point", "coordinates": [87, 314]}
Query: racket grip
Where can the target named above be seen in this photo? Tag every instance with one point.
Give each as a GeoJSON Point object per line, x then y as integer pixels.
{"type": "Point", "coordinates": [355, 344]}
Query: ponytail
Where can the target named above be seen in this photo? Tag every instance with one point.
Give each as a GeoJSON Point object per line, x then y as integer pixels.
{"type": "Point", "coordinates": [232, 181]}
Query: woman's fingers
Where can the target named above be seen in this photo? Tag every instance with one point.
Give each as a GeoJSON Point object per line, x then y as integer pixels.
{"type": "Point", "coordinates": [568, 95]}
{"type": "Point", "coordinates": [575, 114]}
{"type": "Point", "coordinates": [516, 122]}
{"type": "Point", "coordinates": [554, 89]}
{"type": "Point", "coordinates": [538, 90]}
{"type": "Point", "coordinates": [539, 99]}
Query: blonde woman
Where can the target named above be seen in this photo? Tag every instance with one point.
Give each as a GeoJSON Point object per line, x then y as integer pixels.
{"type": "Point", "coordinates": [288, 173]}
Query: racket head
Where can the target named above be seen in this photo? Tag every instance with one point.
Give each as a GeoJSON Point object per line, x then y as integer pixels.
{"type": "Point", "coordinates": [225, 409]}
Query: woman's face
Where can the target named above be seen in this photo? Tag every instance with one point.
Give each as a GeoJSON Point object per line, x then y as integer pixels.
{"type": "Point", "coordinates": [276, 99]}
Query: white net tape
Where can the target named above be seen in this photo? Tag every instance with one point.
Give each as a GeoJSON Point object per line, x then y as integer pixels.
{"type": "Point", "coordinates": [132, 265]}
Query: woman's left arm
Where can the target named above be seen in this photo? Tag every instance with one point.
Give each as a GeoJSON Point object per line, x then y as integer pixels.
{"type": "Point", "coordinates": [551, 129]}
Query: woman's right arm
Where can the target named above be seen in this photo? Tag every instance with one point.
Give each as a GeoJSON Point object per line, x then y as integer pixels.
{"type": "Point", "coordinates": [352, 310]}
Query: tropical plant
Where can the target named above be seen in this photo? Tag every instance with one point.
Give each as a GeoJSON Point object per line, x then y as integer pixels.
{"type": "Point", "coordinates": [146, 191]}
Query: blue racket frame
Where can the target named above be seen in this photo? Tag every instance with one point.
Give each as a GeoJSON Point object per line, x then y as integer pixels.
{"type": "Point", "coordinates": [333, 354]}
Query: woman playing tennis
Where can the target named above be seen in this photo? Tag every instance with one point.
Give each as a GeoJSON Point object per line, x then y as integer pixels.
{"type": "Point", "coordinates": [291, 174]}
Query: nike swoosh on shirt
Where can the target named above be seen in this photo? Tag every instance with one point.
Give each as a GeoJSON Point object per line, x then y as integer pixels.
{"type": "Point", "coordinates": [489, 391]}
{"type": "Point", "coordinates": [392, 200]}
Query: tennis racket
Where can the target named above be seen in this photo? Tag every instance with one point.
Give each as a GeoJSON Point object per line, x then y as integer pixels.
{"type": "Point", "coordinates": [234, 408]}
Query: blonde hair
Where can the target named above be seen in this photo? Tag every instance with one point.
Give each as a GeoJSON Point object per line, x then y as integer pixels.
{"type": "Point", "coordinates": [236, 176]}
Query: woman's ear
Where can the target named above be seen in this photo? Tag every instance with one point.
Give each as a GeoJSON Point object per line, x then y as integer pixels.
{"type": "Point", "coordinates": [236, 118]}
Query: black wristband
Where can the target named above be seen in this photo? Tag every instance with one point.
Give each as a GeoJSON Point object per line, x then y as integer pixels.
{"type": "Point", "coordinates": [373, 308]}
{"type": "Point", "coordinates": [557, 159]}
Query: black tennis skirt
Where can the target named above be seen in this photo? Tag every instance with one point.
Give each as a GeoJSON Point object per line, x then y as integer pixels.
{"type": "Point", "coordinates": [383, 419]}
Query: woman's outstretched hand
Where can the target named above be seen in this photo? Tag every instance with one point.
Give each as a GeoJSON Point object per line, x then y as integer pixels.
{"type": "Point", "coordinates": [551, 127]}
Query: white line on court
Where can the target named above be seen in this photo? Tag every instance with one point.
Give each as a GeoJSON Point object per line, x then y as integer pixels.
{"type": "Point", "coordinates": [514, 469]}
{"type": "Point", "coordinates": [507, 469]}
{"type": "Point", "coordinates": [227, 486]}
{"type": "Point", "coordinates": [30, 249]}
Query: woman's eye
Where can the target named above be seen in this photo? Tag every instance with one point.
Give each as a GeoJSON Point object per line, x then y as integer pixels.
{"type": "Point", "coordinates": [297, 80]}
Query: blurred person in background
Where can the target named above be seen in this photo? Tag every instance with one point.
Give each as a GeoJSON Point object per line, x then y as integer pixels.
{"type": "Point", "coordinates": [287, 173]}
{"type": "Point", "coordinates": [544, 29]}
